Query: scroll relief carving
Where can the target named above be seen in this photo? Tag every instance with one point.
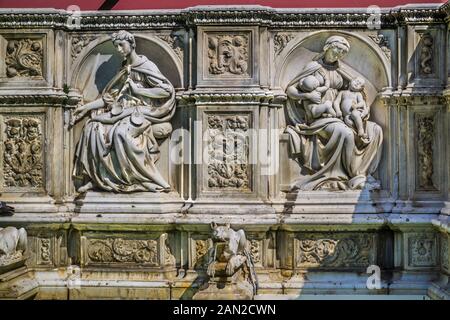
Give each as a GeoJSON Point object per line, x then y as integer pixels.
{"type": "Point", "coordinates": [22, 160]}
{"type": "Point", "coordinates": [346, 251]}
{"type": "Point", "coordinates": [24, 58]}
{"type": "Point", "coordinates": [118, 148]}
{"type": "Point", "coordinates": [383, 43]}
{"type": "Point", "coordinates": [255, 251]}
{"type": "Point", "coordinates": [426, 54]}
{"type": "Point", "coordinates": [228, 151]}
{"type": "Point", "coordinates": [422, 251]}
{"type": "Point", "coordinates": [228, 54]}
{"type": "Point", "coordinates": [425, 141]}
{"type": "Point", "coordinates": [175, 42]}
{"type": "Point", "coordinates": [13, 244]}
{"type": "Point", "coordinates": [79, 42]}
{"type": "Point", "coordinates": [328, 109]}
{"type": "Point", "coordinates": [123, 250]}
{"type": "Point", "coordinates": [202, 248]}
{"type": "Point", "coordinates": [281, 40]}
{"type": "Point", "coordinates": [45, 250]}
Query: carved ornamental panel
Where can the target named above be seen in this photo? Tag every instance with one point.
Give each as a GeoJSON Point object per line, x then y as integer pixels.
{"type": "Point", "coordinates": [22, 148]}
{"type": "Point", "coordinates": [337, 250]}
{"type": "Point", "coordinates": [228, 152]}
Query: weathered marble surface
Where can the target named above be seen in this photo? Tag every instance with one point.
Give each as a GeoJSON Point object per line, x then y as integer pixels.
{"type": "Point", "coordinates": [230, 73]}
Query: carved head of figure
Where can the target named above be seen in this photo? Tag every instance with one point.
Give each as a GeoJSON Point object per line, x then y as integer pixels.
{"type": "Point", "coordinates": [335, 48]}
{"type": "Point", "coordinates": [220, 233]}
{"type": "Point", "coordinates": [124, 42]}
{"type": "Point", "coordinates": [308, 84]}
{"type": "Point", "coordinates": [357, 84]}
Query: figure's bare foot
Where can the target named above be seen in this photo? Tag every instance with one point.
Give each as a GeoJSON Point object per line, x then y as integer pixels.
{"type": "Point", "coordinates": [88, 186]}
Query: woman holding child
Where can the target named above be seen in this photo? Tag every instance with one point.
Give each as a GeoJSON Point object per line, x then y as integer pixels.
{"type": "Point", "coordinates": [326, 137]}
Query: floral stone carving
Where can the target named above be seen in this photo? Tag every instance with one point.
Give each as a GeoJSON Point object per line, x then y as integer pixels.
{"type": "Point", "coordinates": [118, 150]}
{"type": "Point", "coordinates": [281, 40]}
{"type": "Point", "coordinates": [24, 58]}
{"type": "Point", "coordinates": [228, 152]}
{"type": "Point", "coordinates": [321, 251]}
{"type": "Point", "coordinates": [22, 161]}
{"type": "Point", "coordinates": [324, 116]}
{"type": "Point", "coordinates": [422, 251]}
{"type": "Point", "coordinates": [79, 42]}
{"type": "Point", "coordinates": [228, 54]}
{"type": "Point", "coordinates": [123, 250]}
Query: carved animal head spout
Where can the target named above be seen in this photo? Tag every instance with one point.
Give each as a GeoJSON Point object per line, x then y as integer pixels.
{"type": "Point", "coordinates": [220, 233]}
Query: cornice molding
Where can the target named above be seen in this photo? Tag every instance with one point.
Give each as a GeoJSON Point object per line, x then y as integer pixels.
{"type": "Point", "coordinates": [223, 15]}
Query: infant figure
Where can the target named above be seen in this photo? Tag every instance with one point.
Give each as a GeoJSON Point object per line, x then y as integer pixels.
{"type": "Point", "coordinates": [351, 105]}
{"type": "Point", "coordinates": [315, 110]}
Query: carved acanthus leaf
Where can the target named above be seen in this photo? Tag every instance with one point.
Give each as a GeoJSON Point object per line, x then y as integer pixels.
{"type": "Point", "coordinates": [228, 54]}
{"type": "Point", "coordinates": [123, 250]}
{"type": "Point", "coordinates": [24, 58]}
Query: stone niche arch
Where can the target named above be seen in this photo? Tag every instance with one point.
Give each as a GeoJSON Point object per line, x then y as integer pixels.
{"type": "Point", "coordinates": [365, 59]}
{"type": "Point", "coordinates": [93, 70]}
{"type": "Point", "coordinates": [99, 62]}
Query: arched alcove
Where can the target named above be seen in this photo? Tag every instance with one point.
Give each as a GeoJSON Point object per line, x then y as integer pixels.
{"type": "Point", "coordinates": [364, 59]}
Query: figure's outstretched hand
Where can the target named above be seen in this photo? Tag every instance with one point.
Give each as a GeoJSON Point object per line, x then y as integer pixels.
{"type": "Point", "coordinates": [78, 114]}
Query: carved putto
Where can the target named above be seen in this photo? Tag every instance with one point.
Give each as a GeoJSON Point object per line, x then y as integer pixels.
{"type": "Point", "coordinates": [231, 256]}
{"type": "Point", "coordinates": [13, 244]}
{"type": "Point", "coordinates": [118, 148]}
{"type": "Point", "coordinates": [330, 135]}
{"type": "Point", "coordinates": [228, 54]}
{"type": "Point", "coordinates": [24, 58]}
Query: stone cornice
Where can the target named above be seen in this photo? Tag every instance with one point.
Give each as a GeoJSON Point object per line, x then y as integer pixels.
{"type": "Point", "coordinates": [32, 100]}
{"type": "Point", "coordinates": [224, 15]}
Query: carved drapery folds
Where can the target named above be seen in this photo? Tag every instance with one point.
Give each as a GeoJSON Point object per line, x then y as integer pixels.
{"type": "Point", "coordinates": [228, 54]}
{"type": "Point", "coordinates": [228, 151]}
{"type": "Point", "coordinates": [24, 58]}
{"type": "Point", "coordinates": [22, 160]}
{"type": "Point", "coordinates": [328, 110]}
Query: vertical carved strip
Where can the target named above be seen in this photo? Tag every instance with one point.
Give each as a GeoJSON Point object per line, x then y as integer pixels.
{"type": "Point", "coordinates": [426, 54]}
{"type": "Point", "coordinates": [425, 141]}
